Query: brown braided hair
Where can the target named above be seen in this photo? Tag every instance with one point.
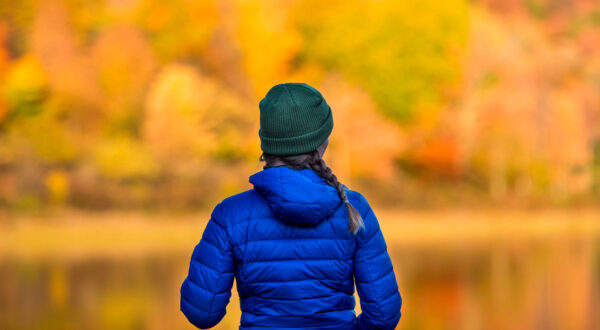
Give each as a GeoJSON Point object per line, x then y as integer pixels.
{"type": "Point", "coordinates": [314, 161]}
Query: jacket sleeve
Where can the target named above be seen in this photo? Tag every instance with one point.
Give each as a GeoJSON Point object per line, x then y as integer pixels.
{"type": "Point", "coordinates": [206, 290]}
{"type": "Point", "coordinates": [380, 300]}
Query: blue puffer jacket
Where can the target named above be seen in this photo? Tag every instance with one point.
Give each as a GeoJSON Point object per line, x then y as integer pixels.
{"type": "Point", "coordinates": [287, 244]}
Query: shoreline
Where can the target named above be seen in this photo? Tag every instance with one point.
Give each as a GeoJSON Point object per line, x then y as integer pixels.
{"type": "Point", "coordinates": [68, 235]}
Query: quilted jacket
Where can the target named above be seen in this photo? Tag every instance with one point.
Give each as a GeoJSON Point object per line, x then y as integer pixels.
{"type": "Point", "coordinates": [286, 243]}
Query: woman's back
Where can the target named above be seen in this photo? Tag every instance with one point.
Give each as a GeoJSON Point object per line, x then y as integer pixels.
{"type": "Point", "coordinates": [288, 245]}
{"type": "Point", "coordinates": [299, 241]}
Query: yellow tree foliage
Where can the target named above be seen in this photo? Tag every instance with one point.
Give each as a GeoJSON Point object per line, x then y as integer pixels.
{"type": "Point", "coordinates": [268, 41]}
{"type": "Point", "coordinates": [191, 115]}
{"type": "Point", "coordinates": [405, 53]}
{"type": "Point", "coordinates": [121, 157]}
{"type": "Point", "coordinates": [25, 86]}
{"type": "Point", "coordinates": [4, 66]}
{"type": "Point", "coordinates": [178, 29]}
{"type": "Point", "coordinates": [45, 137]}
{"type": "Point", "coordinates": [57, 184]}
{"type": "Point", "coordinates": [177, 121]}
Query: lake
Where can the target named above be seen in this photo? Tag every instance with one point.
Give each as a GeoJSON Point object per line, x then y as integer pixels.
{"type": "Point", "coordinates": [455, 270]}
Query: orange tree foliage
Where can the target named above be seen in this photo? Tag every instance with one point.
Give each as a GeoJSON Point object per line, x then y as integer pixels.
{"type": "Point", "coordinates": [123, 92]}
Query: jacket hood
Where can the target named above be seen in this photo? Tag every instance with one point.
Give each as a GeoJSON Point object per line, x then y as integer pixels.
{"type": "Point", "coordinates": [296, 196]}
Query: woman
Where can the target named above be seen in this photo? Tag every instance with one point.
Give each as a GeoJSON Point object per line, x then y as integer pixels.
{"type": "Point", "coordinates": [294, 251]}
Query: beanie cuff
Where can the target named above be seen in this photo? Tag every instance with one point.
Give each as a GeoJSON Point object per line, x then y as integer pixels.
{"type": "Point", "coordinates": [297, 144]}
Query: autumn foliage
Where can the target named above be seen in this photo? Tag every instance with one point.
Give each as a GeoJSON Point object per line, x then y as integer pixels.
{"type": "Point", "coordinates": [154, 103]}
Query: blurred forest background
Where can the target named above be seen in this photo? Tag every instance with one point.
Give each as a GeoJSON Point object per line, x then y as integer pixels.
{"type": "Point", "coordinates": [472, 126]}
{"type": "Point", "coordinates": [154, 104]}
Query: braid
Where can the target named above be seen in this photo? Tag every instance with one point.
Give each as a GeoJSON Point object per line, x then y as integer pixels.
{"type": "Point", "coordinates": [314, 161]}
{"type": "Point", "coordinates": [318, 165]}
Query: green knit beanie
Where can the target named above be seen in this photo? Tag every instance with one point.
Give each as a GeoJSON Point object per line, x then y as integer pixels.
{"type": "Point", "coordinates": [294, 118]}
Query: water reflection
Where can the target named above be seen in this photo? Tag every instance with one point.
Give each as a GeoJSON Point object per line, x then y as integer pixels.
{"type": "Point", "coordinates": [540, 285]}
{"type": "Point", "coordinates": [546, 284]}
